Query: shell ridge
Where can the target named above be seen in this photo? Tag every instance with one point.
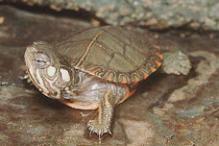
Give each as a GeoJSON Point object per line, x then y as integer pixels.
{"type": "Point", "coordinates": [82, 58]}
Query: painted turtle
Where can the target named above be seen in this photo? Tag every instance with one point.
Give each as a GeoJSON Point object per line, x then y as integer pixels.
{"type": "Point", "coordinates": [98, 68]}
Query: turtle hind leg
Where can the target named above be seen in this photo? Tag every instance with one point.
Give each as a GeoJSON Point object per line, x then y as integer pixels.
{"type": "Point", "coordinates": [102, 123]}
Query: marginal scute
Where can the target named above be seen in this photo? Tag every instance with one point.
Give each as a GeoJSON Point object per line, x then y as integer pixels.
{"type": "Point", "coordinates": [157, 63]}
{"type": "Point", "coordinates": [140, 74]}
{"type": "Point", "coordinates": [145, 74]}
{"type": "Point", "coordinates": [123, 78]}
{"type": "Point", "coordinates": [135, 77]}
{"type": "Point", "coordinates": [109, 75]}
{"type": "Point", "coordinates": [99, 73]}
{"type": "Point", "coordinates": [152, 69]}
{"type": "Point", "coordinates": [159, 55]}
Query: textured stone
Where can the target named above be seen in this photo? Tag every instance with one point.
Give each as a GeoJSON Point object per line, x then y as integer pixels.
{"type": "Point", "coordinates": [176, 63]}
{"type": "Point", "coordinates": [159, 14]}
{"type": "Point", "coordinates": [205, 69]}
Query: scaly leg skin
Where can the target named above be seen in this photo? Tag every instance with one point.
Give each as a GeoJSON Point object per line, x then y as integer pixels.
{"type": "Point", "coordinates": [102, 123]}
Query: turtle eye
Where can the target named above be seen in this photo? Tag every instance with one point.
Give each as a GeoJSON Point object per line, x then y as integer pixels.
{"type": "Point", "coordinates": [41, 60]}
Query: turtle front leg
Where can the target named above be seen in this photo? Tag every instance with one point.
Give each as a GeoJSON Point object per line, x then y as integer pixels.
{"type": "Point", "coordinates": [102, 123]}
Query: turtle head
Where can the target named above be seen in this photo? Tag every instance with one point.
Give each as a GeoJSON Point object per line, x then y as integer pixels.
{"type": "Point", "coordinates": [46, 71]}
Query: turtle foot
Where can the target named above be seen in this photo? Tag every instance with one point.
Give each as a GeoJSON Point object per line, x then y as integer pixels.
{"type": "Point", "coordinates": [98, 128]}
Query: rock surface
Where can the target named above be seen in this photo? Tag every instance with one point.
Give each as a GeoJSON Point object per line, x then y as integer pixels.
{"type": "Point", "coordinates": [157, 14]}
{"type": "Point", "coordinates": [176, 62]}
{"type": "Point", "coordinates": [29, 118]}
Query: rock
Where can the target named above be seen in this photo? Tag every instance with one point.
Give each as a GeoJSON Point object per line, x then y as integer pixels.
{"type": "Point", "coordinates": [205, 69]}
{"type": "Point", "coordinates": [159, 14]}
{"type": "Point", "coordinates": [176, 62]}
{"type": "Point", "coordinates": [141, 128]}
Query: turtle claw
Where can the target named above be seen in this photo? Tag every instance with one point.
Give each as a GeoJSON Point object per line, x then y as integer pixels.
{"type": "Point", "coordinates": [110, 133]}
{"type": "Point", "coordinates": [98, 128]}
{"type": "Point", "coordinates": [90, 132]}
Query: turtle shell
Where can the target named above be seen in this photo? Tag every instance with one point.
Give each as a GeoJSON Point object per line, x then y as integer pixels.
{"type": "Point", "coordinates": [112, 53]}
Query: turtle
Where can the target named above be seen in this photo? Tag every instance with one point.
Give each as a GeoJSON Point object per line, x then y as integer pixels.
{"type": "Point", "coordinates": [96, 69]}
